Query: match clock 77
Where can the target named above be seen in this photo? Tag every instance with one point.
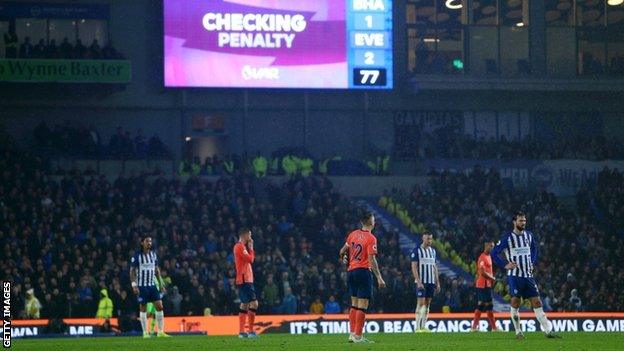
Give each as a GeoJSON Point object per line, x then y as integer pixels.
{"type": "Point", "coordinates": [369, 77]}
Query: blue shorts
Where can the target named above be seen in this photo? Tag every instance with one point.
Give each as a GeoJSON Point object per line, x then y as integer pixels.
{"type": "Point", "coordinates": [247, 292]}
{"type": "Point", "coordinates": [360, 282]}
{"type": "Point", "coordinates": [148, 294]}
{"type": "Point", "coordinates": [522, 287]}
{"type": "Point", "coordinates": [427, 292]}
{"type": "Point", "coordinates": [484, 295]}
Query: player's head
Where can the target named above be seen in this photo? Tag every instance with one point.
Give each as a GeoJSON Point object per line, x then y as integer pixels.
{"type": "Point", "coordinates": [244, 234]}
{"type": "Point", "coordinates": [519, 220]}
{"type": "Point", "coordinates": [487, 246]}
{"type": "Point", "coordinates": [368, 219]}
{"type": "Point", "coordinates": [146, 242]}
{"type": "Point", "coordinates": [427, 238]}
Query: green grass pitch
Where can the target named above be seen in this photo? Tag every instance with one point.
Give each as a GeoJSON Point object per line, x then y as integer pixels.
{"type": "Point", "coordinates": [420, 342]}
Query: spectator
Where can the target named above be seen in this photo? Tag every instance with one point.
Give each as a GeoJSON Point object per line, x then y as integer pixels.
{"type": "Point", "coordinates": [331, 306]}
{"type": "Point", "coordinates": [65, 49]}
{"type": "Point", "coordinates": [39, 51]}
{"type": "Point", "coordinates": [317, 306]}
{"type": "Point", "coordinates": [26, 49]}
{"type": "Point", "coordinates": [105, 306]}
{"type": "Point", "coordinates": [270, 296]}
{"type": "Point", "coordinates": [175, 301]}
{"type": "Point", "coordinates": [80, 51]}
{"type": "Point", "coordinates": [10, 42]}
{"type": "Point", "coordinates": [289, 303]}
{"type": "Point", "coordinates": [52, 51]}
{"type": "Point", "coordinates": [33, 306]}
{"type": "Point", "coordinates": [94, 50]}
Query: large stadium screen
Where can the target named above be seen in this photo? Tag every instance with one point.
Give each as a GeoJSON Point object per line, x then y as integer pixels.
{"type": "Point", "coordinates": [325, 44]}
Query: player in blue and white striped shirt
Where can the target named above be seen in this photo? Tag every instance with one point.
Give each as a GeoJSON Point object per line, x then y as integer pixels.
{"type": "Point", "coordinates": [143, 274]}
{"type": "Point", "coordinates": [425, 271]}
{"type": "Point", "coordinates": [520, 250]}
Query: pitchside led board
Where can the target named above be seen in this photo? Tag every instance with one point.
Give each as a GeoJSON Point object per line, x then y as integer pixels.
{"type": "Point", "coordinates": [325, 44]}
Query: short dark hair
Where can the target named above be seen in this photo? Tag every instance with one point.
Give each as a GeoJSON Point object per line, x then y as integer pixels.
{"type": "Point", "coordinates": [243, 231]}
{"type": "Point", "coordinates": [366, 217]}
{"type": "Point", "coordinates": [145, 237]}
{"type": "Point", "coordinates": [426, 232]}
{"type": "Point", "coordinates": [518, 214]}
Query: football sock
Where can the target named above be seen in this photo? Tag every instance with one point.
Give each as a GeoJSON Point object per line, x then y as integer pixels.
{"type": "Point", "coordinates": [251, 317]}
{"type": "Point", "coordinates": [541, 317]}
{"type": "Point", "coordinates": [477, 317]}
{"type": "Point", "coordinates": [352, 314]}
{"type": "Point", "coordinates": [160, 319]}
{"type": "Point", "coordinates": [143, 319]}
{"type": "Point", "coordinates": [491, 320]}
{"type": "Point", "coordinates": [242, 316]}
{"type": "Point", "coordinates": [515, 319]}
{"type": "Point", "coordinates": [360, 318]}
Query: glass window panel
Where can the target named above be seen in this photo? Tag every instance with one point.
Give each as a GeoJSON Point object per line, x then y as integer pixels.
{"type": "Point", "coordinates": [513, 12]}
{"type": "Point", "coordinates": [423, 12]}
{"type": "Point", "coordinates": [422, 47]}
{"type": "Point", "coordinates": [559, 12]}
{"type": "Point", "coordinates": [615, 16]}
{"type": "Point", "coordinates": [514, 53]}
{"type": "Point", "coordinates": [590, 13]}
{"type": "Point", "coordinates": [60, 29]}
{"type": "Point", "coordinates": [33, 28]}
{"type": "Point", "coordinates": [449, 58]}
{"type": "Point", "coordinates": [4, 28]}
{"type": "Point", "coordinates": [560, 51]}
{"type": "Point", "coordinates": [615, 52]}
{"type": "Point", "coordinates": [592, 55]}
{"type": "Point", "coordinates": [484, 12]}
{"type": "Point", "coordinates": [483, 55]}
{"type": "Point", "coordinates": [89, 30]}
{"type": "Point", "coordinates": [448, 16]}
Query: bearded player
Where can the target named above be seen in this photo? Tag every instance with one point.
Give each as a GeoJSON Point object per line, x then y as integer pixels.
{"type": "Point", "coordinates": [520, 250]}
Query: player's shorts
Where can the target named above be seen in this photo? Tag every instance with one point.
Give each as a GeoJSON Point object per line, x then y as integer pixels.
{"type": "Point", "coordinates": [150, 308]}
{"type": "Point", "coordinates": [148, 294]}
{"type": "Point", "coordinates": [360, 282]}
{"type": "Point", "coordinates": [427, 292]}
{"type": "Point", "coordinates": [522, 287]}
{"type": "Point", "coordinates": [247, 292]}
{"type": "Point", "coordinates": [484, 294]}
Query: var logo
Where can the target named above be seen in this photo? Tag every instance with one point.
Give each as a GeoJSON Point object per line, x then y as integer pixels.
{"type": "Point", "coordinates": [253, 73]}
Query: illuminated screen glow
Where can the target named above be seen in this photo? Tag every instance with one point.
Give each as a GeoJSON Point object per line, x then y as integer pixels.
{"type": "Point", "coordinates": [325, 44]}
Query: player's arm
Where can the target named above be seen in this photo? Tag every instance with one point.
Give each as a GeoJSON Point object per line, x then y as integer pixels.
{"type": "Point", "coordinates": [371, 251]}
{"type": "Point", "coordinates": [376, 272]}
{"type": "Point", "coordinates": [483, 272]}
{"type": "Point", "coordinates": [244, 255]}
{"type": "Point", "coordinates": [133, 276]}
{"type": "Point", "coordinates": [438, 287]}
{"type": "Point", "coordinates": [160, 280]}
{"type": "Point", "coordinates": [501, 245]}
{"type": "Point", "coordinates": [414, 258]}
{"type": "Point", "coordinates": [343, 251]}
{"type": "Point", "coordinates": [534, 250]}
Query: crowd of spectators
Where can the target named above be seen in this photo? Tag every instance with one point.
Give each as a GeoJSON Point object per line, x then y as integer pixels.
{"type": "Point", "coordinates": [85, 142]}
{"type": "Point", "coordinates": [578, 260]}
{"type": "Point", "coordinates": [68, 238]}
{"type": "Point", "coordinates": [64, 50]}
{"type": "Point", "coordinates": [448, 142]}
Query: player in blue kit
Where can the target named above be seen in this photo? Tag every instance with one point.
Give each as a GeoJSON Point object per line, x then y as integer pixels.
{"type": "Point", "coordinates": [143, 274]}
{"type": "Point", "coordinates": [520, 255]}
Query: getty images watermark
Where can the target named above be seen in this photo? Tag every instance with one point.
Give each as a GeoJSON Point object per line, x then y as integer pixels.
{"type": "Point", "coordinates": [6, 314]}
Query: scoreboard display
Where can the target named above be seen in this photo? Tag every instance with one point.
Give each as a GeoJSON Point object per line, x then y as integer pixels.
{"type": "Point", "coordinates": [323, 44]}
